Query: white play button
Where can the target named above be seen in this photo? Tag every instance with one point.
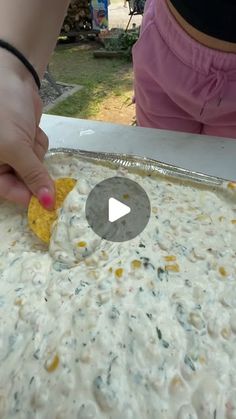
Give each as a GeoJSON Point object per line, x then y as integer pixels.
{"type": "Point", "coordinates": [116, 210]}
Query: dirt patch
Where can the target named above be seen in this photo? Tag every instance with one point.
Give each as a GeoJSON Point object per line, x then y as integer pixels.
{"type": "Point", "coordinates": [119, 15]}
{"type": "Point", "coordinates": [117, 110]}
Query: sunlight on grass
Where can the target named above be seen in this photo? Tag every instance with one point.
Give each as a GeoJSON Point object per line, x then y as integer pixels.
{"type": "Point", "coordinates": [100, 78]}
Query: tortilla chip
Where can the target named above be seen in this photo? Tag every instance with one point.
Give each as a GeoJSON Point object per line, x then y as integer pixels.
{"type": "Point", "coordinates": [40, 220]}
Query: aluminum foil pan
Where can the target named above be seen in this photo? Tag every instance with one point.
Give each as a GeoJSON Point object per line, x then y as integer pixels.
{"type": "Point", "coordinates": [136, 163]}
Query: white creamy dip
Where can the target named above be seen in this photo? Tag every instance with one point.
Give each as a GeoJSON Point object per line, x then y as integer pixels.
{"type": "Point", "coordinates": [144, 329]}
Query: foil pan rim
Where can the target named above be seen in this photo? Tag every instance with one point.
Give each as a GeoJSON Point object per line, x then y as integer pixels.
{"type": "Point", "coordinates": [144, 164]}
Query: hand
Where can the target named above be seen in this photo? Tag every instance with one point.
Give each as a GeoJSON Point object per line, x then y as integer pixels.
{"type": "Point", "coordinates": [22, 143]}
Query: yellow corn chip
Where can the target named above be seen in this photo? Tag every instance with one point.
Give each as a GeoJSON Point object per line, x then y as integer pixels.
{"type": "Point", "coordinates": [40, 220]}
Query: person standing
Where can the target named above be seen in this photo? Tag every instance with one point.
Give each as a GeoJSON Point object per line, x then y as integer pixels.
{"type": "Point", "coordinates": [185, 67]}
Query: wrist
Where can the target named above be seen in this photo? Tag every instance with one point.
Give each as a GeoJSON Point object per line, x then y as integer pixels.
{"type": "Point", "coordinates": [10, 63]}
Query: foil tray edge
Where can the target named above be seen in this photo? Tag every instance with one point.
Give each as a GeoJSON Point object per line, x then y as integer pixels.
{"type": "Point", "coordinates": [144, 164]}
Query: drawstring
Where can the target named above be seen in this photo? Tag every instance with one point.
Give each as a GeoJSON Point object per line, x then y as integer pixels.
{"type": "Point", "coordinates": [216, 83]}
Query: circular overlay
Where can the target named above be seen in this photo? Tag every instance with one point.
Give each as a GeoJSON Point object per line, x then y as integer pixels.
{"type": "Point", "coordinates": [118, 209]}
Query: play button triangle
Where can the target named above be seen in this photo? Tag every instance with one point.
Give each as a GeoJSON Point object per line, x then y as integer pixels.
{"type": "Point", "coordinates": [116, 210]}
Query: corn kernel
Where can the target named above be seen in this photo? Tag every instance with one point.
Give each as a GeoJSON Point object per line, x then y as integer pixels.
{"type": "Point", "coordinates": [120, 292]}
{"type": "Point", "coordinates": [226, 333]}
{"type": "Point", "coordinates": [233, 221]}
{"type": "Point", "coordinates": [51, 365]}
{"type": "Point", "coordinates": [110, 270]}
{"type": "Point", "coordinates": [195, 320]}
{"type": "Point", "coordinates": [18, 302]}
{"type": "Point", "coordinates": [222, 271]}
{"type": "Point", "coordinates": [126, 196]}
{"type": "Point", "coordinates": [172, 268]}
{"type": "Point", "coordinates": [104, 255]}
{"type": "Point", "coordinates": [232, 185]}
{"type": "Point", "coordinates": [136, 264]}
{"type": "Point", "coordinates": [176, 381]}
{"type": "Point", "coordinates": [221, 218]}
{"type": "Point", "coordinates": [90, 261]}
{"type": "Point", "coordinates": [154, 210]}
{"type": "Point", "coordinates": [85, 356]}
{"type": "Point", "coordinates": [151, 285]}
{"type": "Point", "coordinates": [202, 360]}
{"type": "Point", "coordinates": [82, 244]}
{"type": "Point", "coordinates": [170, 258]}
{"type": "Point", "coordinates": [119, 272]}
{"type": "Point", "coordinates": [93, 274]}
{"type": "Point", "coordinates": [204, 218]}
{"type": "Point", "coordinates": [176, 384]}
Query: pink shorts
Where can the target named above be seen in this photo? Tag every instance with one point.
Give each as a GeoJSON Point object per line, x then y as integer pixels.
{"type": "Point", "coordinates": [180, 84]}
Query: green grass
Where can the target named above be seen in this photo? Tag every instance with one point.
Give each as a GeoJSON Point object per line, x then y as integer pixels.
{"type": "Point", "coordinates": [100, 79]}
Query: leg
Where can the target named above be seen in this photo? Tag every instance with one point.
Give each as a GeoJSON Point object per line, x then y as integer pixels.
{"type": "Point", "coordinates": [220, 131]}
{"type": "Point", "coordinates": [163, 112]}
{"type": "Point", "coordinates": [127, 27]}
{"type": "Point", "coordinates": [160, 81]}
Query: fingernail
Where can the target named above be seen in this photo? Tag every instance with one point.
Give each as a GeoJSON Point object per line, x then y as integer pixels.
{"type": "Point", "coordinates": [45, 198]}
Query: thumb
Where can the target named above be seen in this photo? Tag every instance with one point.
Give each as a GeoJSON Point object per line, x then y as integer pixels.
{"type": "Point", "coordinates": [34, 174]}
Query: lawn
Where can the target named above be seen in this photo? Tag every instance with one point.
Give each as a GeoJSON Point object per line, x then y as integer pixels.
{"type": "Point", "coordinates": [107, 84]}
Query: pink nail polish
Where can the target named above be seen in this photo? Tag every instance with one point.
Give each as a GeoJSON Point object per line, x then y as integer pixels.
{"type": "Point", "coordinates": [45, 198]}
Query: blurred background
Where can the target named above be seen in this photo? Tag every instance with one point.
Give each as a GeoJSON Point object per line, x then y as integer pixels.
{"type": "Point", "coordinates": [90, 74]}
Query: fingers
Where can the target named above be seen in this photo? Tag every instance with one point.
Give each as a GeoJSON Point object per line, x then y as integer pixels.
{"type": "Point", "coordinates": [5, 168]}
{"type": "Point", "coordinates": [41, 144]}
{"type": "Point", "coordinates": [13, 189]}
{"type": "Point", "coordinates": [32, 172]}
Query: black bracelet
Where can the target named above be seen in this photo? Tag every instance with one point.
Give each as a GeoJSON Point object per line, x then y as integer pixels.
{"type": "Point", "coordinates": [23, 59]}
